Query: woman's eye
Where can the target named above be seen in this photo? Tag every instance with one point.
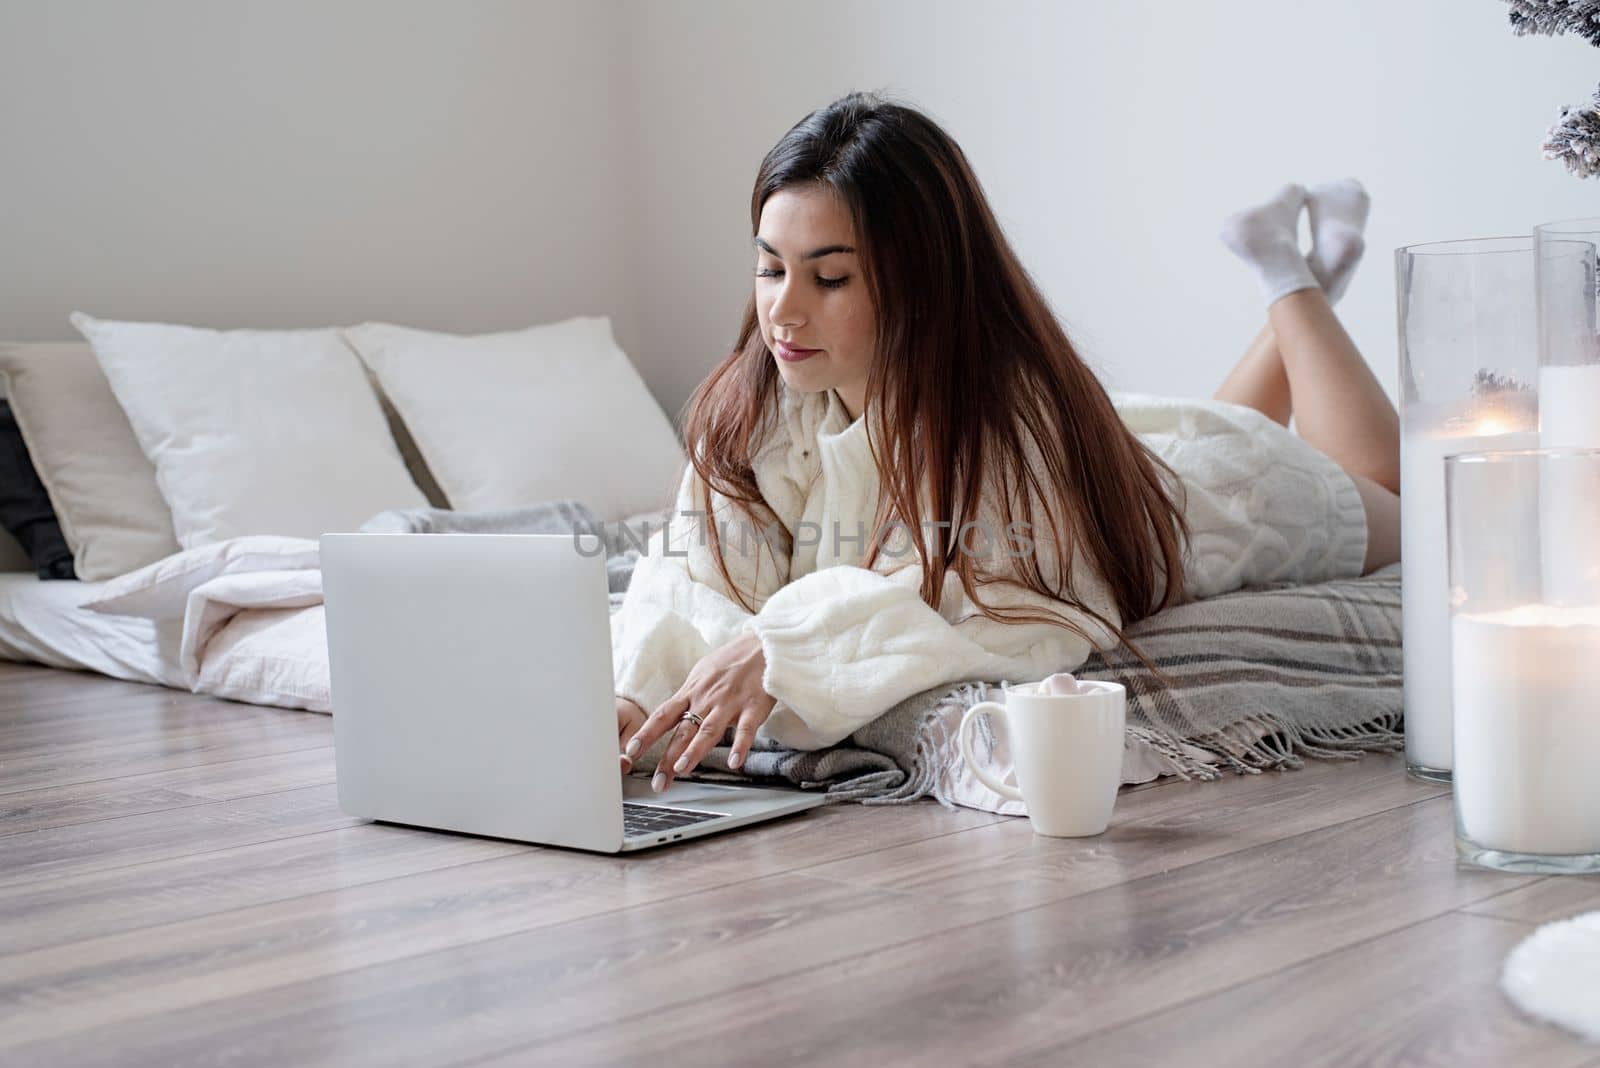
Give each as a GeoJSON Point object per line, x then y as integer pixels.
{"type": "Point", "coordinates": [826, 283]}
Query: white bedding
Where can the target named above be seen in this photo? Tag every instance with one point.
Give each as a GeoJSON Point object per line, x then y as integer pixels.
{"type": "Point", "coordinates": [41, 622]}
{"type": "Point", "coordinates": [246, 613]}
{"type": "Point", "coordinates": [240, 619]}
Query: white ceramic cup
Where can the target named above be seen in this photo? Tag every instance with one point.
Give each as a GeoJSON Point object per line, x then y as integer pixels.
{"type": "Point", "coordinates": [1067, 751]}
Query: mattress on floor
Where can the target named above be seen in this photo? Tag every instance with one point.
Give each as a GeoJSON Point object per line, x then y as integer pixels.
{"type": "Point", "coordinates": [41, 623]}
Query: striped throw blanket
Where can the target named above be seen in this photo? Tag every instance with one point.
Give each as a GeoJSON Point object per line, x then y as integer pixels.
{"type": "Point", "coordinates": [1261, 678]}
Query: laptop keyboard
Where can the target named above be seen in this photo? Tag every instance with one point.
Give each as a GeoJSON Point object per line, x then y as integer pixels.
{"type": "Point", "coordinates": [638, 818]}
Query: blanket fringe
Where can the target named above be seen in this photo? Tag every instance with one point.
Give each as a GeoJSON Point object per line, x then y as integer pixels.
{"type": "Point", "coordinates": [934, 748]}
{"type": "Point", "coordinates": [1282, 745]}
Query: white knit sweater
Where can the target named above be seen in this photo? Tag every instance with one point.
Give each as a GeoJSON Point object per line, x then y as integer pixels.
{"type": "Point", "coordinates": [844, 644]}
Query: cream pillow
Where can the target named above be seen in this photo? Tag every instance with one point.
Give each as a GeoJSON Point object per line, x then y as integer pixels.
{"type": "Point", "coordinates": [515, 418]}
{"type": "Point", "coordinates": [101, 486]}
{"type": "Point", "coordinates": [253, 431]}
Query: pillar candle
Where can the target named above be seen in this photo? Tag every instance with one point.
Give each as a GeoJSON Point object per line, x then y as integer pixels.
{"type": "Point", "coordinates": [1527, 728]}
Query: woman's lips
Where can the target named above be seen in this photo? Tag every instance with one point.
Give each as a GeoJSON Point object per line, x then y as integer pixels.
{"type": "Point", "coordinates": [794, 355]}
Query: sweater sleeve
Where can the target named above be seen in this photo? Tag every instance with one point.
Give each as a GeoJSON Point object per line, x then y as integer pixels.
{"type": "Point", "coordinates": [677, 607]}
{"type": "Point", "coordinates": [845, 644]}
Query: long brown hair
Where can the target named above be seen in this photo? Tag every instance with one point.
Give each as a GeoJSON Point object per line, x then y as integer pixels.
{"type": "Point", "coordinates": [973, 379]}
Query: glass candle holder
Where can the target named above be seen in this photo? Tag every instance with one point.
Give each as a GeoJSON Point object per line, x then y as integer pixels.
{"type": "Point", "coordinates": [1469, 369]}
{"type": "Point", "coordinates": [1525, 668]}
{"type": "Point", "coordinates": [1569, 388]}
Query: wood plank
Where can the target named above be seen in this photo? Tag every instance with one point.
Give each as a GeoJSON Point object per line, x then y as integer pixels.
{"type": "Point", "coordinates": [1428, 994]}
{"type": "Point", "coordinates": [65, 851]}
{"type": "Point", "coordinates": [1002, 989]}
{"type": "Point", "coordinates": [65, 987]}
{"type": "Point", "coordinates": [792, 845]}
{"type": "Point", "coordinates": [833, 832]}
{"type": "Point", "coordinates": [83, 704]}
{"type": "Point", "coordinates": [69, 907]}
{"type": "Point", "coordinates": [146, 898]}
{"type": "Point", "coordinates": [1555, 897]}
{"type": "Point", "coordinates": [151, 726]}
{"type": "Point", "coordinates": [91, 716]}
{"type": "Point", "coordinates": [159, 906]}
{"type": "Point", "coordinates": [165, 750]}
{"type": "Point", "coordinates": [19, 674]}
{"type": "Point", "coordinates": [57, 686]}
{"type": "Point", "coordinates": [883, 968]}
{"type": "Point", "coordinates": [63, 806]}
{"type": "Point", "coordinates": [579, 929]}
{"type": "Point", "coordinates": [1147, 835]}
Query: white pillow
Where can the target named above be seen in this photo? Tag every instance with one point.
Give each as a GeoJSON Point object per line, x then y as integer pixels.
{"type": "Point", "coordinates": [101, 486]}
{"type": "Point", "coordinates": [515, 418]}
{"type": "Point", "coordinates": [253, 431]}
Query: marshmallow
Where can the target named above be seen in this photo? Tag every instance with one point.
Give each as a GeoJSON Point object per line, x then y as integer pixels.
{"type": "Point", "coordinates": [1061, 684]}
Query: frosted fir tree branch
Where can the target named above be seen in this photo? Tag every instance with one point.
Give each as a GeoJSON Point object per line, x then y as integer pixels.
{"type": "Point", "coordinates": [1553, 17]}
{"type": "Point", "coordinates": [1575, 138]}
{"type": "Point", "coordinates": [1485, 381]}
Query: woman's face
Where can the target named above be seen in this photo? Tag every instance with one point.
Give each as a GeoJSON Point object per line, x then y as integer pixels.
{"type": "Point", "coordinates": [814, 301]}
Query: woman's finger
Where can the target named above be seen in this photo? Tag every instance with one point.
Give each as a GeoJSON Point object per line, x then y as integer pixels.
{"type": "Point", "coordinates": [702, 742]}
{"type": "Point", "coordinates": [625, 732]}
{"type": "Point", "coordinates": [744, 736]}
{"type": "Point", "coordinates": [658, 723]}
{"type": "Point", "coordinates": [675, 746]}
{"type": "Point", "coordinates": [627, 728]}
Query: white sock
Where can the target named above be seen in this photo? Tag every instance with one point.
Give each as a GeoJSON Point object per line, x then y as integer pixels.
{"type": "Point", "coordinates": [1267, 237]}
{"type": "Point", "coordinates": [1338, 211]}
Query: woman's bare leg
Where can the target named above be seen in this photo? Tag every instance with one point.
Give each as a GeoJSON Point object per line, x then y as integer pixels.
{"type": "Point", "coordinates": [1339, 407]}
{"type": "Point", "coordinates": [1258, 380]}
{"type": "Point", "coordinates": [1347, 420]}
{"type": "Point", "coordinates": [1383, 522]}
{"type": "Point", "coordinates": [1261, 380]}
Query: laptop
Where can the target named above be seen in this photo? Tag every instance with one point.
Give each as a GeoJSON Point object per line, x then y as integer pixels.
{"type": "Point", "coordinates": [471, 684]}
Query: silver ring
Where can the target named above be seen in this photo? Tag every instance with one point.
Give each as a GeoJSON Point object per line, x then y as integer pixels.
{"type": "Point", "coordinates": [692, 718]}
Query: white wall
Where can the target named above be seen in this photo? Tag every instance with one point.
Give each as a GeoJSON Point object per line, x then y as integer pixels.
{"type": "Point", "coordinates": [1113, 138]}
{"type": "Point", "coordinates": [451, 166]}
{"type": "Point", "coordinates": [484, 165]}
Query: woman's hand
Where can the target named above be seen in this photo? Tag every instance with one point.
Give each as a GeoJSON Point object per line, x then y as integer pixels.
{"type": "Point", "coordinates": [630, 717]}
{"type": "Point", "coordinates": [723, 687]}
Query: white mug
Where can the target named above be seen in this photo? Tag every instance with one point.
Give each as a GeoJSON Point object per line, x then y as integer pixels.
{"type": "Point", "coordinates": [1067, 751]}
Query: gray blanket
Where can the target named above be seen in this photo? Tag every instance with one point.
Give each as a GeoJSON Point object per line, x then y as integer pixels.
{"type": "Point", "coordinates": [1261, 677]}
{"type": "Point", "coordinates": [623, 542]}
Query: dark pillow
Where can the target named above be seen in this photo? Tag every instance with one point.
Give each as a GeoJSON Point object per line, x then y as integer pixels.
{"type": "Point", "coordinates": [25, 507]}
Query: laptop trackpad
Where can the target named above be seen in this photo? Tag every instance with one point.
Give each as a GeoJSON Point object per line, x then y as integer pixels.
{"type": "Point", "coordinates": [637, 788]}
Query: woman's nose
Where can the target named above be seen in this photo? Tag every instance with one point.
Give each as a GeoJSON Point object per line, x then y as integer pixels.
{"type": "Point", "coordinates": [786, 308]}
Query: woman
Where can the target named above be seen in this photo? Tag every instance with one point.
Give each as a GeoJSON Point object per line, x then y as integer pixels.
{"type": "Point", "coordinates": [896, 372]}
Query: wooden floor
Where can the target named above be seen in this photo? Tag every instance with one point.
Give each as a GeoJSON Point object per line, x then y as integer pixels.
{"type": "Point", "coordinates": [178, 886]}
